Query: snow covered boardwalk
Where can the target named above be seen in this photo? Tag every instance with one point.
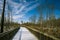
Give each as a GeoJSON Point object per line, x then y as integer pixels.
{"type": "Point", "coordinates": [24, 34]}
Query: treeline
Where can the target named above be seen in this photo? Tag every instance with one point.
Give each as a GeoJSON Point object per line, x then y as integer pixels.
{"type": "Point", "coordinates": [46, 23]}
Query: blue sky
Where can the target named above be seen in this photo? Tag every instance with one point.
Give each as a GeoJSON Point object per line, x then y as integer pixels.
{"type": "Point", "coordinates": [23, 9]}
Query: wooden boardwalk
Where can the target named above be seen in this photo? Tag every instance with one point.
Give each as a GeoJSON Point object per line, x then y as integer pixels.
{"type": "Point", "coordinates": [24, 34]}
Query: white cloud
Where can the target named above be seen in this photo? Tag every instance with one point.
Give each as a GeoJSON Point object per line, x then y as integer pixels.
{"type": "Point", "coordinates": [24, 6]}
{"type": "Point", "coordinates": [32, 7]}
{"type": "Point", "coordinates": [20, 9]}
{"type": "Point", "coordinates": [14, 4]}
{"type": "Point", "coordinates": [28, 9]}
{"type": "Point", "coordinates": [18, 16]}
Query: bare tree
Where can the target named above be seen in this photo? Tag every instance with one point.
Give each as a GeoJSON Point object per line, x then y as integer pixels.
{"type": "Point", "coordinates": [2, 20]}
{"type": "Point", "coordinates": [32, 19]}
{"type": "Point", "coordinates": [47, 12]}
{"type": "Point", "coordinates": [52, 16]}
{"type": "Point", "coordinates": [40, 9]}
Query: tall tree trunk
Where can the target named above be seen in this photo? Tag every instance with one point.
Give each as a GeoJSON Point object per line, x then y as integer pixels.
{"type": "Point", "coordinates": [2, 19]}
